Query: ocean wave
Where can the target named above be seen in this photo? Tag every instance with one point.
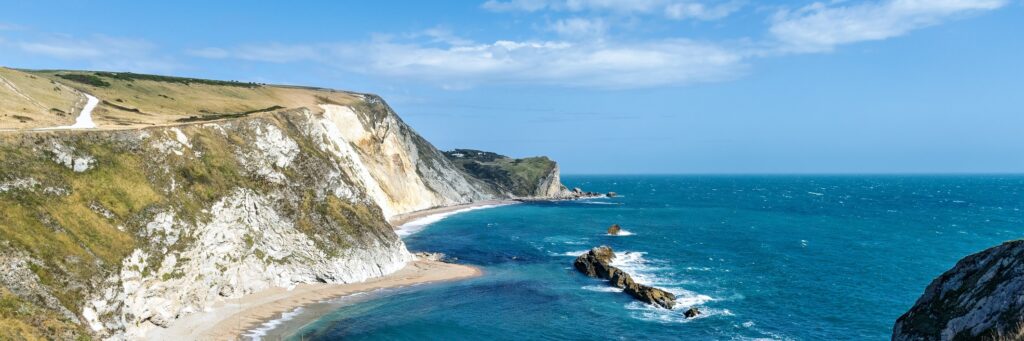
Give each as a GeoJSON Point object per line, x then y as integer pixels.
{"type": "Point", "coordinates": [421, 223]}
{"type": "Point", "coordinates": [600, 203]}
{"type": "Point", "coordinates": [648, 312]}
{"type": "Point", "coordinates": [258, 333]}
{"type": "Point", "coordinates": [622, 233]}
{"type": "Point", "coordinates": [570, 253]}
{"type": "Point", "coordinates": [602, 288]}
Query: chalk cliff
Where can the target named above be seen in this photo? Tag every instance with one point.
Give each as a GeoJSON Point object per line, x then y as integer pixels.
{"type": "Point", "coordinates": [206, 190]}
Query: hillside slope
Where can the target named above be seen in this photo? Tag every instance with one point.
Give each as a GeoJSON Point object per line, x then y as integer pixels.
{"type": "Point", "coordinates": [189, 193]}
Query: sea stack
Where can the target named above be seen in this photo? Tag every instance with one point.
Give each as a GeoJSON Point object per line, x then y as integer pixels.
{"type": "Point", "coordinates": [597, 263]}
{"type": "Point", "coordinates": [614, 230]}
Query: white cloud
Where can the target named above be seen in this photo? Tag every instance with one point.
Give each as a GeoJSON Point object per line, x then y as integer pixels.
{"type": "Point", "coordinates": [584, 55]}
{"type": "Point", "coordinates": [209, 52]}
{"type": "Point", "coordinates": [699, 11]}
{"type": "Point", "coordinates": [820, 27]}
{"type": "Point", "coordinates": [10, 27]}
{"type": "Point", "coordinates": [580, 27]}
{"type": "Point", "coordinates": [672, 9]}
{"type": "Point", "coordinates": [99, 52]}
{"type": "Point", "coordinates": [595, 64]}
{"type": "Point", "coordinates": [515, 5]}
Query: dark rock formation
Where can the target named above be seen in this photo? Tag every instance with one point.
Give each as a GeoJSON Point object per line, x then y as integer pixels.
{"type": "Point", "coordinates": [611, 194]}
{"type": "Point", "coordinates": [980, 298]}
{"type": "Point", "coordinates": [691, 313]}
{"type": "Point", "coordinates": [596, 263]}
{"type": "Point", "coordinates": [614, 230]}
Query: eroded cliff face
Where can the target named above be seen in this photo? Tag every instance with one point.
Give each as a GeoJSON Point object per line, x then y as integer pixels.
{"type": "Point", "coordinates": [113, 233]}
{"type": "Point", "coordinates": [980, 298]}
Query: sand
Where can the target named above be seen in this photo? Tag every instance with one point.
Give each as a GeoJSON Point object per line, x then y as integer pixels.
{"type": "Point", "coordinates": [416, 220]}
{"type": "Point", "coordinates": [230, 319]}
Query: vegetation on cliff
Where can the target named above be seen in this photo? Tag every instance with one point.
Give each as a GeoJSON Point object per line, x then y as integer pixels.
{"type": "Point", "coordinates": [521, 177]}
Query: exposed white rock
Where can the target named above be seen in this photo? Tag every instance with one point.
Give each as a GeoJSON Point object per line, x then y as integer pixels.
{"type": "Point", "coordinates": [70, 158]}
{"type": "Point", "coordinates": [16, 184]}
{"type": "Point", "coordinates": [273, 151]}
{"type": "Point", "coordinates": [384, 156]}
{"type": "Point", "coordinates": [247, 247]}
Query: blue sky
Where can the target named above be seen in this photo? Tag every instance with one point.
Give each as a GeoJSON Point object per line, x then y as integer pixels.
{"type": "Point", "coordinates": [605, 86]}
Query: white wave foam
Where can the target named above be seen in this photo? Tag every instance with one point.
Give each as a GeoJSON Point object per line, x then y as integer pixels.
{"type": "Point", "coordinates": [258, 333]}
{"type": "Point", "coordinates": [602, 288]}
{"type": "Point", "coordinates": [622, 233]}
{"type": "Point", "coordinates": [571, 253]}
{"type": "Point", "coordinates": [419, 224]}
{"type": "Point", "coordinates": [600, 203]}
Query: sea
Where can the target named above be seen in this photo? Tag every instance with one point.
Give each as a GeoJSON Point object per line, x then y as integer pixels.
{"type": "Point", "coordinates": [763, 257]}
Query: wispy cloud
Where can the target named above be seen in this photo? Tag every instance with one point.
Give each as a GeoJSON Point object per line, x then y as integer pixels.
{"type": "Point", "coordinates": [599, 64]}
{"type": "Point", "coordinates": [585, 55]}
{"type": "Point", "coordinates": [580, 27]}
{"type": "Point", "coordinates": [96, 51]}
{"type": "Point", "coordinates": [820, 27]}
{"type": "Point", "coordinates": [672, 9]}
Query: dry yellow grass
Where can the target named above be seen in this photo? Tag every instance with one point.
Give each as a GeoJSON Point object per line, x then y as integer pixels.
{"type": "Point", "coordinates": [28, 101]}
{"type": "Point", "coordinates": [133, 101]}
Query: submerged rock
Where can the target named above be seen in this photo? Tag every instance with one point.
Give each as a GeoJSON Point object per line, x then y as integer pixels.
{"type": "Point", "coordinates": [691, 313]}
{"type": "Point", "coordinates": [614, 230]}
{"type": "Point", "coordinates": [431, 256]}
{"type": "Point", "coordinates": [597, 263]}
{"type": "Point", "coordinates": [611, 194]}
{"type": "Point", "coordinates": [980, 298]}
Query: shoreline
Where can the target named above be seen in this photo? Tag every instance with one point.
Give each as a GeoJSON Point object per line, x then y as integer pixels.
{"type": "Point", "coordinates": [408, 223]}
{"type": "Point", "coordinates": [232, 318]}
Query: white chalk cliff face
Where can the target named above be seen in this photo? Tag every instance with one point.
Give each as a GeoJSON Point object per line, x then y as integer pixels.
{"type": "Point", "coordinates": [209, 211]}
{"type": "Point", "coordinates": [403, 172]}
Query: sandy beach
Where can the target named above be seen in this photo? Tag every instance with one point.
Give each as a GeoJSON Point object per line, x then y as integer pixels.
{"type": "Point", "coordinates": [230, 319]}
{"type": "Point", "coordinates": [414, 221]}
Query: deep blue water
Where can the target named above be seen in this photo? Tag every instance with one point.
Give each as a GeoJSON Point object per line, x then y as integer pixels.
{"type": "Point", "coordinates": [776, 257]}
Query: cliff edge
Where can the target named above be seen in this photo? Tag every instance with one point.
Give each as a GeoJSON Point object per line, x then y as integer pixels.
{"type": "Point", "coordinates": [980, 298]}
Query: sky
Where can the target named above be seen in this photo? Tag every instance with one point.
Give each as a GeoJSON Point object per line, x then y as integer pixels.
{"type": "Point", "coordinates": [604, 86]}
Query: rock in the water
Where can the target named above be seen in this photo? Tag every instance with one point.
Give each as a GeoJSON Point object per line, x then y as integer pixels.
{"type": "Point", "coordinates": [431, 256]}
{"type": "Point", "coordinates": [980, 298]}
{"type": "Point", "coordinates": [614, 230]}
{"type": "Point", "coordinates": [612, 194]}
{"type": "Point", "coordinates": [691, 313]}
{"type": "Point", "coordinates": [596, 263]}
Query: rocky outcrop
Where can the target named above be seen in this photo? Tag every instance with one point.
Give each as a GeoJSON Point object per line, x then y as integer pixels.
{"type": "Point", "coordinates": [614, 229]}
{"type": "Point", "coordinates": [981, 297]}
{"type": "Point", "coordinates": [597, 263]}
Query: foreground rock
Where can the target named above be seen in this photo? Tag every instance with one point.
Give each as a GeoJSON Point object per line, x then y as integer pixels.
{"type": "Point", "coordinates": [596, 263]}
{"type": "Point", "coordinates": [981, 297]}
{"type": "Point", "coordinates": [691, 313]}
{"type": "Point", "coordinates": [614, 230]}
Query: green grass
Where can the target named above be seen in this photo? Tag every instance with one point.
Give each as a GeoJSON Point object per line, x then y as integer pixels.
{"type": "Point", "coordinates": [131, 77]}
{"type": "Point", "coordinates": [85, 79]}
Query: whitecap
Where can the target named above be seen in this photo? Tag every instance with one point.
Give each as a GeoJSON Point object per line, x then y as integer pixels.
{"type": "Point", "coordinates": [258, 333]}
{"type": "Point", "coordinates": [622, 233]}
{"type": "Point", "coordinates": [570, 253]}
{"type": "Point", "coordinates": [602, 288]}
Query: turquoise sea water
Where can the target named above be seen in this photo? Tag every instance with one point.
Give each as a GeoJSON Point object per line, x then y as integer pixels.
{"type": "Point", "coordinates": [774, 257]}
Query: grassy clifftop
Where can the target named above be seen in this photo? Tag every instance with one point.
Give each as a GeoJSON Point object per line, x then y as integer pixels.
{"type": "Point", "coordinates": [46, 98]}
{"type": "Point", "coordinates": [521, 177]}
